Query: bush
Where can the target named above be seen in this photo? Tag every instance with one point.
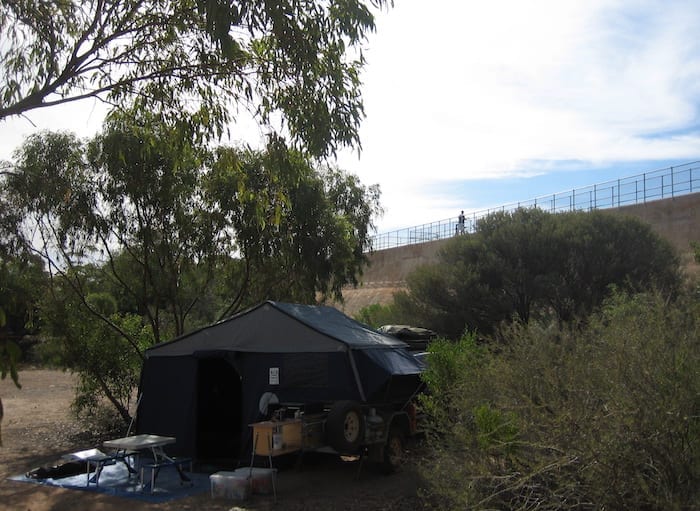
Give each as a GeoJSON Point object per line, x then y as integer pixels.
{"type": "Point", "coordinates": [108, 368]}
{"type": "Point", "coordinates": [450, 369]}
{"type": "Point", "coordinates": [106, 364]}
{"type": "Point", "coordinates": [377, 315]}
{"type": "Point", "coordinates": [494, 428]}
{"type": "Point", "coordinates": [533, 265]}
{"type": "Point", "coordinates": [603, 418]}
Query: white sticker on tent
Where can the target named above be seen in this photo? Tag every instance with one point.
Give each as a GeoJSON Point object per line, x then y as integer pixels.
{"type": "Point", "coordinates": [274, 376]}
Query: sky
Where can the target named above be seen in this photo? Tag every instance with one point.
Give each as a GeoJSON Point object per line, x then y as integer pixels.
{"type": "Point", "coordinates": [473, 104]}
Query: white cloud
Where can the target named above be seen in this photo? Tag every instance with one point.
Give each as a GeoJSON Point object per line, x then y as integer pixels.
{"type": "Point", "coordinates": [83, 118]}
{"type": "Point", "coordinates": [474, 90]}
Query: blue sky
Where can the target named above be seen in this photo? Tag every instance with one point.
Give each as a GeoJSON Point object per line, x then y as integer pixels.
{"type": "Point", "coordinates": [564, 177]}
{"type": "Point", "coordinates": [474, 104]}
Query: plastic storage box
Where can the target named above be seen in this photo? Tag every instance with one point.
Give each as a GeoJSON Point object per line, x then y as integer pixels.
{"type": "Point", "coordinates": [262, 480]}
{"type": "Point", "coordinates": [230, 485]}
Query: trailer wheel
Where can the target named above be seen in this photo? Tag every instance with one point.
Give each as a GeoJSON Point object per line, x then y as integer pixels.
{"type": "Point", "coordinates": [394, 455]}
{"type": "Point", "coordinates": [345, 427]}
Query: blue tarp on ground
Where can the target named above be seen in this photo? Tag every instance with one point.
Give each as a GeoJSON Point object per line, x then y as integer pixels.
{"type": "Point", "coordinates": [115, 481]}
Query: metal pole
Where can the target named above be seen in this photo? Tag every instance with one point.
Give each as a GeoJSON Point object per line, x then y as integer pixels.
{"type": "Point", "coordinates": [595, 196]}
{"type": "Point", "coordinates": [662, 186]}
{"type": "Point", "coordinates": [672, 184]}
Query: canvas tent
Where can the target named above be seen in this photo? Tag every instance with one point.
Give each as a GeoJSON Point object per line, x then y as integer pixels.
{"type": "Point", "coordinates": [206, 387]}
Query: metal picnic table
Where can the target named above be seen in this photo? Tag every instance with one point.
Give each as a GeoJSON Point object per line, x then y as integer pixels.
{"type": "Point", "coordinates": [154, 444]}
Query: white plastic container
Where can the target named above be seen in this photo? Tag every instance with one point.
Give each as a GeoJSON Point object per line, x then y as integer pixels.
{"type": "Point", "coordinates": [277, 441]}
{"type": "Point", "coordinates": [262, 480]}
{"type": "Point", "coordinates": [230, 485]}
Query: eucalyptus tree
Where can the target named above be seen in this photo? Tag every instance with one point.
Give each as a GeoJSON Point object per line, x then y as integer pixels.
{"type": "Point", "coordinates": [166, 220]}
{"type": "Point", "coordinates": [300, 231]}
{"type": "Point", "coordinates": [298, 62]}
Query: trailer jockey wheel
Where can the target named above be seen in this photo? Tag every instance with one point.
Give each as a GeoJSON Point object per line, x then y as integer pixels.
{"type": "Point", "coordinates": [345, 427]}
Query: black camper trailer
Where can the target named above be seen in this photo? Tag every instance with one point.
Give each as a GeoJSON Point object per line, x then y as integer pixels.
{"type": "Point", "coordinates": [205, 388]}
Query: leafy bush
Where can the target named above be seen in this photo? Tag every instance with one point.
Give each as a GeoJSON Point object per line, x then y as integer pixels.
{"type": "Point", "coordinates": [107, 365]}
{"type": "Point", "coordinates": [607, 417]}
{"type": "Point", "coordinates": [450, 369]}
{"type": "Point", "coordinates": [494, 428]}
{"type": "Point", "coordinates": [377, 315]}
{"type": "Point", "coordinates": [533, 265]}
{"type": "Point", "coordinates": [108, 369]}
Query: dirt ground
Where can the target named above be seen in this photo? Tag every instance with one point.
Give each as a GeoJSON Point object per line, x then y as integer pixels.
{"type": "Point", "coordinates": [37, 429]}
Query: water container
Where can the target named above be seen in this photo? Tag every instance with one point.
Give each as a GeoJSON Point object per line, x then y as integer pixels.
{"type": "Point", "coordinates": [277, 443]}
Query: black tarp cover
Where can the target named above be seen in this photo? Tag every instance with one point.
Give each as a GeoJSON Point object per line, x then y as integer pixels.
{"type": "Point", "coordinates": [301, 353]}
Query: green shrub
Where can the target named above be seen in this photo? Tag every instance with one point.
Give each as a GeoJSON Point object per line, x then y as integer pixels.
{"type": "Point", "coordinates": [450, 369]}
{"type": "Point", "coordinates": [603, 418]}
{"type": "Point", "coordinates": [107, 365]}
{"type": "Point", "coordinates": [108, 368]}
{"type": "Point", "coordinates": [377, 315]}
{"type": "Point", "coordinates": [495, 428]}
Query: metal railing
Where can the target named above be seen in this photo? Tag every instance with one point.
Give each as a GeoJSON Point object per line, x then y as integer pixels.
{"type": "Point", "coordinates": [649, 186]}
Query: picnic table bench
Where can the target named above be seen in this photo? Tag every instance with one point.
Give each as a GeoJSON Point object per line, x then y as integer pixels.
{"type": "Point", "coordinates": [97, 460]}
{"type": "Point", "coordinates": [131, 448]}
{"type": "Point", "coordinates": [154, 444]}
{"type": "Point", "coordinates": [155, 467]}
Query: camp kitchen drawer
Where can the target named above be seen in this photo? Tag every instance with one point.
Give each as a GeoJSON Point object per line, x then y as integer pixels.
{"type": "Point", "coordinates": [273, 438]}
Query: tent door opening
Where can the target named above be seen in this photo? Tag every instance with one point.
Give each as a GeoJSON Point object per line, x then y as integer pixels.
{"type": "Point", "coordinates": [218, 411]}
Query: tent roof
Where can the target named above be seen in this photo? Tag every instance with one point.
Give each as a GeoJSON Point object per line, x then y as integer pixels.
{"type": "Point", "coordinates": [276, 327]}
